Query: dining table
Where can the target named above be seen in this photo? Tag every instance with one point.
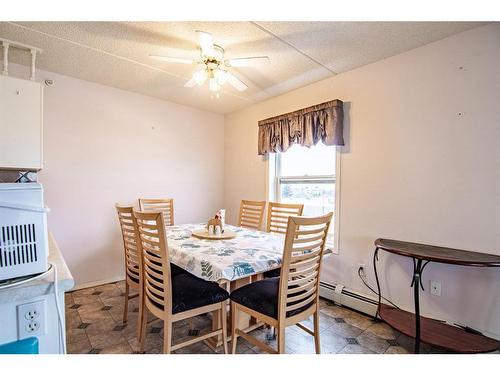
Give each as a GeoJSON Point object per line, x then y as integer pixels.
{"type": "Point", "coordinates": [231, 263]}
{"type": "Point", "coordinates": [249, 253]}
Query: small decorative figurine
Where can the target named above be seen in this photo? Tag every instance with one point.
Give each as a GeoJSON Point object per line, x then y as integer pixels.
{"type": "Point", "coordinates": [213, 224]}
{"type": "Point", "coordinates": [216, 225]}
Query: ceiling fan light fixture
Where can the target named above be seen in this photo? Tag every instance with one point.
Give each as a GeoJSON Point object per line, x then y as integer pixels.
{"type": "Point", "coordinates": [214, 64]}
{"type": "Point", "coordinates": [213, 85]}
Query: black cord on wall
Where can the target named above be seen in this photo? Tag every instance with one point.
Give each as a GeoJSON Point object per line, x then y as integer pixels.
{"type": "Point", "coordinates": [362, 276]}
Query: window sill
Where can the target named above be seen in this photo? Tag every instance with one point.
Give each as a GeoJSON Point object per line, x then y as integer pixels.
{"type": "Point", "coordinates": [330, 246]}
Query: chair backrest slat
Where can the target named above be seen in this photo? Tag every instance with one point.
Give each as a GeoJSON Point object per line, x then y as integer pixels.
{"type": "Point", "coordinates": [301, 266]}
{"type": "Point", "coordinates": [155, 260]}
{"type": "Point", "coordinates": [278, 214]}
{"type": "Point", "coordinates": [251, 214]}
{"type": "Point", "coordinates": [129, 237]}
{"type": "Point", "coordinates": [164, 205]}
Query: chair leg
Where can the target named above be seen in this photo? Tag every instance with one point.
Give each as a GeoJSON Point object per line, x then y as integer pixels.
{"type": "Point", "coordinates": [125, 308]}
{"type": "Point", "coordinates": [223, 317]}
{"type": "Point", "coordinates": [316, 333]}
{"type": "Point", "coordinates": [273, 329]}
{"type": "Point", "coordinates": [234, 338]}
{"type": "Point", "coordinates": [142, 329]}
{"type": "Point", "coordinates": [141, 314]}
{"type": "Point", "coordinates": [167, 336]}
{"type": "Point", "coordinates": [281, 338]}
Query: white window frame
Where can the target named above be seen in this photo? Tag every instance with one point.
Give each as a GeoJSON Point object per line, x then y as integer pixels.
{"type": "Point", "coordinates": [273, 188]}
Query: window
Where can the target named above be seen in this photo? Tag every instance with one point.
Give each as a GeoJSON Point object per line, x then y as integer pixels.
{"type": "Point", "coordinates": [308, 176]}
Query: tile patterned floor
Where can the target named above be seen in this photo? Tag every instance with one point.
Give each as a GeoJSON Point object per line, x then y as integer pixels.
{"type": "Point", "coordinates": [94, 326]}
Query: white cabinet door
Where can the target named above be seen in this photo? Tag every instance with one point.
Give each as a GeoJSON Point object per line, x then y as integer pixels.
{"type": "Point", "coordinates": [20, 124]}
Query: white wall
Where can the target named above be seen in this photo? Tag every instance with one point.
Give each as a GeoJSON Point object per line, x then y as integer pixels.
{"type": "Point", "coordinates": [103, 145]}
{"type": "Point", "coordinates": [421, 164]}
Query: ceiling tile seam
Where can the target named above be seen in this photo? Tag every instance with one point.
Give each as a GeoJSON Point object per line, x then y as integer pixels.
{"type": "Point", "coordinates": [114, 55]}
{"type": "Point", "coordinates": [292, 46]}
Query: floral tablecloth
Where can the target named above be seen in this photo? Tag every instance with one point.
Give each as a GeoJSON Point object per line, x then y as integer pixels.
{"type": "Point", "coordinates": [249, 253]}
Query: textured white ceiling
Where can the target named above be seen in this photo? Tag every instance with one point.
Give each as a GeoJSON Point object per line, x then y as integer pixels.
{"type": "Point", "coordinates": [116, 53]}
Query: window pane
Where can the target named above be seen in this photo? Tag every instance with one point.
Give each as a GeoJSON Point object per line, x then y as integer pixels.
{"type": "Point", "coordinates": [318, 199]}
{"type": "Point", "coordinates": [298, 160]}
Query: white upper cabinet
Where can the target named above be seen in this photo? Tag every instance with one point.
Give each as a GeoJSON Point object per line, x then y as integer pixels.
{"type": "Point", "coordinates": [20, 124]}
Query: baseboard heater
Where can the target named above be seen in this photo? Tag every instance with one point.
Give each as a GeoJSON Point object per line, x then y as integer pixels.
{"type": "Point", "coordinates": [346, 297]}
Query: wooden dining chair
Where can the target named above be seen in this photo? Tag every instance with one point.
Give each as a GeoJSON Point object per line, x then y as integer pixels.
{"type": "Point", "coordinates": [165, 205]}
{"type": "Point", "coordinates": [277, 220]}
{"type": "Point", "coordinates": [173, 297]}
{"type": "Point", "coordinates": [133, 274]}
{"type": "Point", "coordinates": [293, 297]}
{"type": "Point", "coordinates": [278, 213]}
{"type": "Point", "coordinates": [251, 214]}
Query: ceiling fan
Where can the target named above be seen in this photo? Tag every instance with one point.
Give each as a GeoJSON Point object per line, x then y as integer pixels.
{"type": "Point", "coordinates": [213, 65]}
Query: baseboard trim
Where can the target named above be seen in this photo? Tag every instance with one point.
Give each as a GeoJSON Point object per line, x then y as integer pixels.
{"type": "Point", "coordinates": [97, 283]}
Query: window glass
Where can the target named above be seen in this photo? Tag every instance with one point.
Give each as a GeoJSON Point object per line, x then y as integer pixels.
{"type": "Point", "coordinates": [299, 160]}
{"type": "Point", "coordinates": [308, 176]}
{"type": "Point", "coordinates": [318, 198]}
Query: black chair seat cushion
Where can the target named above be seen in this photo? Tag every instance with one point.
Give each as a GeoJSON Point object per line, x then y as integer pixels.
{"type": "Point", "coordinates": [262, 296]}
{"type": "Point", "coordinates": [190, 292]}
{"type": "Point", "coordinates": [273, 273]}
{"type": "Point", "coordinates": [174, 271]}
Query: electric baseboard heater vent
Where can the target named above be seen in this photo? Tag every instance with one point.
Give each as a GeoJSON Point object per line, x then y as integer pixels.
{"type": "Point", "coordinates": [349, 298]}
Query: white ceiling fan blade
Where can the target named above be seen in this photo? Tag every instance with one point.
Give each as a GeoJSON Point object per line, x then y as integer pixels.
{"type": "Point", "coordinates": [178, 60]}
{"type": "Point", "coordinates": [191, 82]}
{"type": "Point", "coordinates": [236, 82]}
{"type": "Point", "coordinates": [199, 77]}
{"type": "Point", "coordinates": [246, 61]}
{"type": "Point", "coordinates": [206, 43]}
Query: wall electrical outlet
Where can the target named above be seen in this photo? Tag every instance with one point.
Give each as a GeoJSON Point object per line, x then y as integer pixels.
{"type": "Point", "coordinates": [31, 319]}
{"type": "Point", "coordinates": [436, 288]}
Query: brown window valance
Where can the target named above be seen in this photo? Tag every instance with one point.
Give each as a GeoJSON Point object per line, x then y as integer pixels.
{"type": "Point", "coordinates": [308, 126]}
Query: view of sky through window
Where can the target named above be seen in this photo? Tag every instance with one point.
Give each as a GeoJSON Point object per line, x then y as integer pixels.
{"type": "Point", "coordinates": [318, 160]}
